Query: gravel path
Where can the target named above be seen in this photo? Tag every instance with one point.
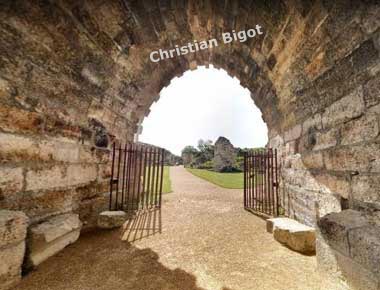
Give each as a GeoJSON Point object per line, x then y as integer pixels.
{"type": "Point", "coordinates": [201, 239]}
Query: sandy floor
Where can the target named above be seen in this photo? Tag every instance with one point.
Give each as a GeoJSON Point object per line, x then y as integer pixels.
{"type": "Point", "coordinates": [201, 239]}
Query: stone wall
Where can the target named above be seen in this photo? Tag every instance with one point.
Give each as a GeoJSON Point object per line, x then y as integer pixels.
{"type": "Point", "coordinates": [77, 79]}
{"type": "Point", "coordinates": [76, 75]}
{"type": "Point", "coordinates": [349, 250]}
{"type": "Point", "coordinates": [224, 155]}
{"type": "Point", "coordinates": [13, 227]}
{"type": "Point", "coordinates": [49, 176]}
{"type": "Point", "coordinates": [331, 160]}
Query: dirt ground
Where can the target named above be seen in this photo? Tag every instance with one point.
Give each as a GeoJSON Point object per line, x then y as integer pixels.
{"type": "Point", "coordinates": [201, 239]}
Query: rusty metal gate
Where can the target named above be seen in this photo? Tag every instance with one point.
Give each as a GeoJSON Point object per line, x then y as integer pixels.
{"type": "Point", "coordinates": [261, 182]}
{"type": "Point", "coordinates": [136, 177]}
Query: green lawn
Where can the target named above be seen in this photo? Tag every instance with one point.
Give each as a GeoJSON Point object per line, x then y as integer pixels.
{"type": "Point", "coordinates": [167, 184]}
{"type": "Point", "coordinates": [226, 180]}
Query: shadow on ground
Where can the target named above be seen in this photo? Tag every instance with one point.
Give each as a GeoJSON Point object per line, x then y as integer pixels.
{"type": "Point", "coordinates": [144, 224]}
{"type": "Point", "coordinates": [100, 260]}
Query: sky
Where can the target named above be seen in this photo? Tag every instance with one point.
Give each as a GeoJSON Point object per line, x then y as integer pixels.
{"type": "Point", "coordinates": [204, 104]}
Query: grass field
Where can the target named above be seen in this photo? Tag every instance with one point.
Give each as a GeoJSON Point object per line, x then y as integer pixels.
{"type": "Point", "coordinates": [226, 180]}
{"type": "Point", "coordinates": [167, 184]}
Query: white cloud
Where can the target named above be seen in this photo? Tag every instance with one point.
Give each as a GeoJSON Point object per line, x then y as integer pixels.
{"type": "Point", "coordinates": [204, 104]}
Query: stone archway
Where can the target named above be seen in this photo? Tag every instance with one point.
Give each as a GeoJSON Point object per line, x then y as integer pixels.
{"type": "Point", "coordinates": [75, 76]}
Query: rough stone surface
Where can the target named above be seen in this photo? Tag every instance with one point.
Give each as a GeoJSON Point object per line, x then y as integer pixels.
{"type": "Point", "coordinates": [365, 247]}
{"type": "Point", "coordinates": [224, 155]}
{"type": "Point", "coordinates": [11, 181]}
{"type": "Point", "coordinates": [89, 211]}
{"type": "Point", "coordinates": [13, 225]}
{"type": "Point", "coordinates": [48, 238]}
{"type": "Point", "coordinates": [341, 272]}
{"type": "Point", "coordinates": [348, 249]}
{"type": "Point", "coordinates": [308, 78]}
{"type": "Point", "coordinates": [366, 189]}
{"type": "Point", "coordinates": [111, 219]}
{"type": "Point", "coordinates": [10, 268]}
{"type": "Point", "coordinates": [335, 227]}
{"type": "Point", "coordinates": [293, 234]}
{"type": "Point", "coordinates": [76, 75]}
{"type": "Point", "coordinates": [345, 109]}
{"type": "Point", "coordinates": [359, 130]}
{"type": "Point", "coordinates": [328, 265]}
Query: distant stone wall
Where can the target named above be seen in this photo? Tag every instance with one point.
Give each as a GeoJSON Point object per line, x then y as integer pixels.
{"type": "Point", "coordinates": [224, 155]}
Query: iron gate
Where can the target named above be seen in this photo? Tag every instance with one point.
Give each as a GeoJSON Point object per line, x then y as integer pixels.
{"type": "Point", "coordinates": [261, 181]}
{"type": "Point", "coordinates": [136, 177]}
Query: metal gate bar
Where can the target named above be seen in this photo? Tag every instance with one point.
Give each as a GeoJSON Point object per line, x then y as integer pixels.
{"type": "Point", "coordinates": [136, 177]}
{"type": "Point", "coordinates": [261, 181]}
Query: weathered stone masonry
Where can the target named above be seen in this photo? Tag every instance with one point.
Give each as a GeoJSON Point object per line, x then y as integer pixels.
{"type": "Point", "coordinates": [76, 75]}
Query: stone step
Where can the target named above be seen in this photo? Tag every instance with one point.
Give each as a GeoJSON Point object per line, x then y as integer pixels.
{"type": "Point", "coordinates": [111, 219]}
{"type": "Point", "coordinates": [48, 238]}
{"type": "Point", "coordinates": [294, 235]}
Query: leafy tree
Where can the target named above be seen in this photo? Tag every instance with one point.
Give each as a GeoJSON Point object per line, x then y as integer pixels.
{"type": "Point", "coordinates": [240, 151]}
{"type": "Point", "coordinates": [202, 156]}
{"type": "Point", "coordinates": [206, 150]}
{"type": "Point", "coordinates": [204, 145]}
{"type": "Point", "coordinates": [190, 149]}
{"type": "Point", "coordinates": [189, 156]}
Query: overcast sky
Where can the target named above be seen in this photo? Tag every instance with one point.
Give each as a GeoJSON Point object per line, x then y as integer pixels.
{"type": "Point", "coordinates": [204, 104]}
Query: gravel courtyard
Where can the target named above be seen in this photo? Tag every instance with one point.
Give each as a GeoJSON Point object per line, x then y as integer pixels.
{"type": "Point", "coordinates": [201, 239]}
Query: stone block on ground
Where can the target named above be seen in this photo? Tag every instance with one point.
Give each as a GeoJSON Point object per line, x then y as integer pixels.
{"type": "Point", "coordinates": [111, 219]}
{"type": "Point", "coordinates": [48, 238]}
{"type": "Point", "coordinates": [13, 225]}
{"type": "Point", "coordinates": [296, 236]}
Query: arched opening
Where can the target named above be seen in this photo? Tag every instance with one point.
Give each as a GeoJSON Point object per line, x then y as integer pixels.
{"type": "Point", "coordinates": [205, 103]}
{"type": "Point", "coordinates": [76, 76]}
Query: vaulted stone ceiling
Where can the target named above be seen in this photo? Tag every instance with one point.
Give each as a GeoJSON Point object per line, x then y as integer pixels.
{"type": "Point", "coordinates": [95, 54]}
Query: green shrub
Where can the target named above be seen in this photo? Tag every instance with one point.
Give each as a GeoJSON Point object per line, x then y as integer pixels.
{"type": "Point", "coordinates": [240, 163]}
{"type": "Point", "coordinates": [206, 165]}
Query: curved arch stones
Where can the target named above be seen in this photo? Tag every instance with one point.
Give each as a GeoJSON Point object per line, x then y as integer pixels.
{"type": "Point", "coordinates": [76, 75]}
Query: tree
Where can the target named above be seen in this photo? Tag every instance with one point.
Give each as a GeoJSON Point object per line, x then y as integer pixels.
{"type": "Point", "coordinates": [189, 150]}
{"type": "Point", "coordinates": [206, 150]}
{"type": "Point", "coordinates": [189, 155]}
{"type": "Point", "coordinates": [204, 145]}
